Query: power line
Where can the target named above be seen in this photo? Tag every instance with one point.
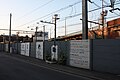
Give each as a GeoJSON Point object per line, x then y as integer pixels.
{"type": "Point", "coordinates": [95, 4]}
{"type": "Point", "coordinates": [70, 25]}
{"type": "Point", "coordinates": [81, 13]}
{"type": "Point", "coordinates": [107, 4]}
{"type": "Point", "coordinates": [53, 12]}
{"type": "Point", "coordinates": [64, 9]}
{"type": "Point", "coordinates": [36, 9]}
{"type": "Point", "coordinates": [15, 30]}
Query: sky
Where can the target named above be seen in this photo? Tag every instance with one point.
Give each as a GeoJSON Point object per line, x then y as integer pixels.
{"type": "Point", "coordinates": [28, 12]}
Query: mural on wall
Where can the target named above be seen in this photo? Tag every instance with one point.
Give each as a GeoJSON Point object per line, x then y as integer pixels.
{"type": "Point", "coordinates": [39, 50]}
{"type": "Point", "coordinates": [54, 52]}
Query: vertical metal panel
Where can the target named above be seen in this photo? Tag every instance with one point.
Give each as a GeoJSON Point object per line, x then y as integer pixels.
{"type": "Point", "coordinates": [33, 50]}
{"type": "Point", "coordinates": [63, 48]}
{"type": "Point", "coordinates": [106, 56]}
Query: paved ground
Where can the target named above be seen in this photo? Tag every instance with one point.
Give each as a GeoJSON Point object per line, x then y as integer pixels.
{"type": "Point", "coordinates": [17, 67]}
{"type": "Point", "coordinates": [12, 68]}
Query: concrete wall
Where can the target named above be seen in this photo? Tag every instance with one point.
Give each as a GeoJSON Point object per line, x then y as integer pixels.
{"type": "Point", "coordinates": [106, 56]}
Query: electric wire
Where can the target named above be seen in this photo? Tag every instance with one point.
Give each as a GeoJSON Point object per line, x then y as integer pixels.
{"type": "Point", "coordinates": [68, 16]}
{"type": "Point", "coordinates": [113, 12]}
{"type": "Point", "coordinates": [36, 9]}
{"type": "Point", "coordinates": [81, 13]}
{"type": "Point", "coordinates": [52, 13]}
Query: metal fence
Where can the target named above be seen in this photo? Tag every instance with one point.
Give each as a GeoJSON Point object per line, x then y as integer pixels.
{"type": "Point", "coordinates": [104, 54]}
{"type": "Point", "coordinates": [1, 47]}
{"type": "Point", "coordinates": [63, 49]}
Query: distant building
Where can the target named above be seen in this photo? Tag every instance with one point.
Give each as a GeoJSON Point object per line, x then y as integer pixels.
{"type": "Point", "coordinates": [112, 31]}
{"type": "Point", "coordinates": [39, 36]}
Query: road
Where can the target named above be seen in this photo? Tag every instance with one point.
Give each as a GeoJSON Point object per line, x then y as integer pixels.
{"type": "Point", "coordinates": [12, 68]}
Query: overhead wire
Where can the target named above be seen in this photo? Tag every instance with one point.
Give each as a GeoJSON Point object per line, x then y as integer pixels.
{"type": "Point", "coordinates": [70, 25]}
{"type": "Point", "coordinates": [113, 12]}
{"type": "Point", "coordinates": [64, 9]}
{"type": "Point", "coordinates": [53, 12]}
{"type": "Point", "coordinates": [36, 9]}
{"type": "Point", "coordinates": [81, 13]}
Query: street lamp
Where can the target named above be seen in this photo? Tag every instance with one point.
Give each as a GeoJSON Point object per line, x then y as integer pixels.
{"type": "Point", "coordinates": [55, 18]}
{"type": "Point", "coordinates": [54, 48]}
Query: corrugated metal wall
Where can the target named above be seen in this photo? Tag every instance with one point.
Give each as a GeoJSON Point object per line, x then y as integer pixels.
{"type": "Point", "coordinates": [1, 47]}
{"type": "Point", "coordinates": [33, 50]}
{"type": "Point", "coordinates": [16, 48]}
{"type": "Point", "coordinates": [63, 48]}
{"type": "Point", "coordinates": [106, 56]}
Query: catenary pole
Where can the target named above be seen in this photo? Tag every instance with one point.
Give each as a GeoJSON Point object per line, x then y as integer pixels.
{"type": "Point", "coordinates": [84, 20]}
{"type": "Point", "coordinates": [9, 33]}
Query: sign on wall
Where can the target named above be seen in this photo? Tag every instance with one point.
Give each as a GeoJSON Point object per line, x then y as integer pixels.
{"type": "Point", "coordinates": [25, 49]}
{"type": "Point", "coordinates": [22, 48]}
{"type": "Point", "coordinates": [80, 53]}
{"type": "Point", "coordinates": [39, 50]}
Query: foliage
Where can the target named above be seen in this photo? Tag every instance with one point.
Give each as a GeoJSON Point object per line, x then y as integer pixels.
{"type": "Point", "coordinates": [62, 58]}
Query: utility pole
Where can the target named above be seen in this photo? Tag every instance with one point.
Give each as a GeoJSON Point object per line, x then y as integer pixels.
{"type": "Point", "coordinates": [10, 33]}
{"type": "Point", "coordinates": [44, 43]}
{"type": "Point", "coordinates": [36, 34]}
{"type": "Point", "coordinates": [65, 26]}
{"type": "Point", "coordinates": [44, 33]}
{"type": "Point", "coordinates": [84, 20]}
{"type": "Point", "coordinates": [17, 41]}
{"type": "Point", "coordinates": [54, 47]}
{"type": "Point", "coordinates": [55, 31]}
{"type": "Point", "coordinates": [102, 20]}
{"type": "Point", "coordinates": [56, 18]}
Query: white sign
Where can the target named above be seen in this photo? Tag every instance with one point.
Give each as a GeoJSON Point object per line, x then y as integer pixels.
{"type": "Point", "coordinates": [80, 53]}
{"type": "Point", "coordinates": [39, 50]}
{"type": "Point", "coordinates": [54, 52]}
{"type": "Point", "coordinates": [25, 49]}
{"type": "Point", "coordinates": [22, 48]}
